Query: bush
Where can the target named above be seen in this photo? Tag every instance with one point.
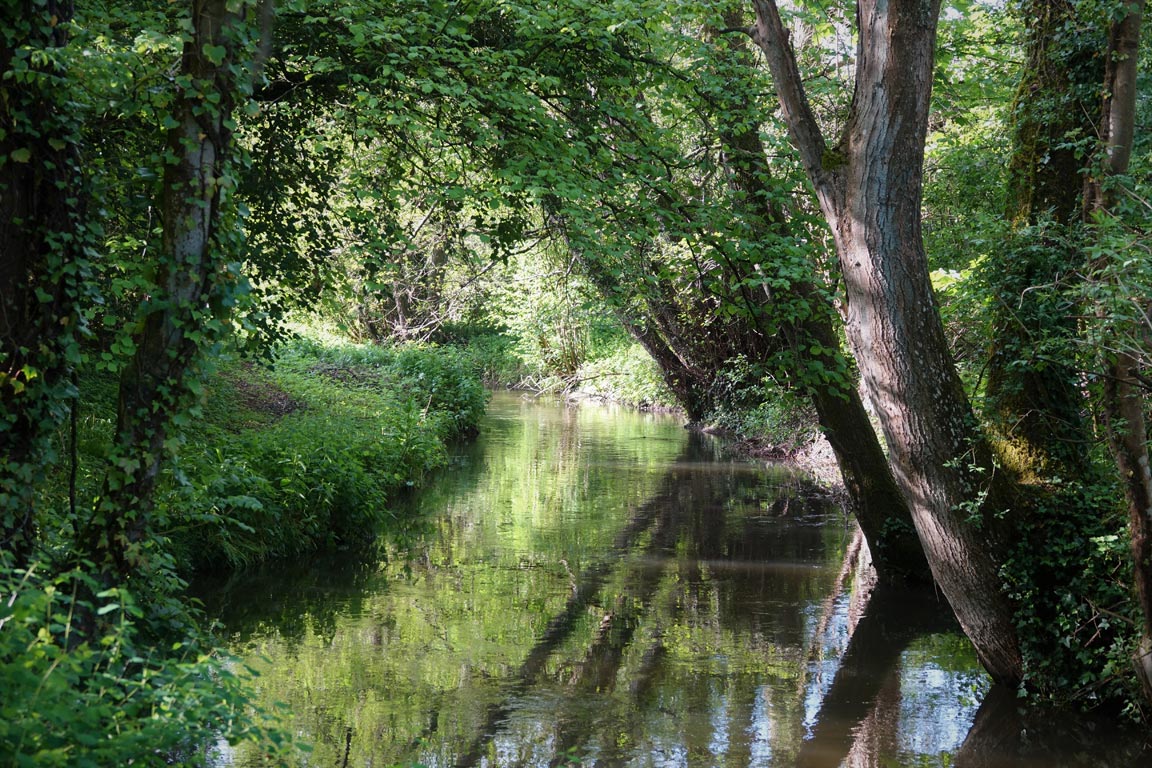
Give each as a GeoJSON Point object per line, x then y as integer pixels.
{"type": "Point", "coordinates": [369, 422]}
{"type": "Point", "coordinates": [439, 378]}
{"type": "Point", "coordinates": [628, 375]}
{"type": "Point", "coordinates": [102, 696]}
{"type": "Point", "coordinates": [750, 405]}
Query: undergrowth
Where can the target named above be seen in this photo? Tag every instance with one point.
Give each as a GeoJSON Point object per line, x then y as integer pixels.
{"type": "Point", "coordinates": [357, 424]}
{"type": "Point", "coordinates": [88, 683]}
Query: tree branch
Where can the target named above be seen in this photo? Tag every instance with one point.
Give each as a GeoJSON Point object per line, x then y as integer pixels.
{"type": "Point", "coordinates": [772, 38]}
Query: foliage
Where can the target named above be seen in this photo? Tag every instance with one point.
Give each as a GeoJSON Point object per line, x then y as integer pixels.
{"type": "Point", "coordinates": [366, 424]}
{"type": "Point", "coordinates": [490, 352]}
{"type": "Point", "coordinates": [625, 375]}
{"type": "Point", "coordinates": [561, 176]}
{"type": "Point", "coordinates": [1075, 619]}
{"type": "Point", "coordinates": [1118, 286]}
{"type": "Point", "coordinates": [48, 246]}
{"type": "Point", "coordinates": [71, 699]}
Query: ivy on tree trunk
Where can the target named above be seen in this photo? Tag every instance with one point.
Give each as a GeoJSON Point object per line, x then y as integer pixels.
{"type": "Point", "coordinates": [43, 240]}
{"type": "Point", "coordinates": [195, 284]}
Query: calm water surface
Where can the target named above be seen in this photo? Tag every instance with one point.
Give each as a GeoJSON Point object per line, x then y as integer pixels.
{"type": "Point", "coordinates": [594, 586]}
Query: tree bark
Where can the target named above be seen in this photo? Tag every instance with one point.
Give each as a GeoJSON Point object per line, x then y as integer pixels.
{"type": "Point", "coordinates": [160, 383]}
{"type": "Point", "coordinates": [1124, 397]}
{"type": "Point", "coordinates": [869, 188]}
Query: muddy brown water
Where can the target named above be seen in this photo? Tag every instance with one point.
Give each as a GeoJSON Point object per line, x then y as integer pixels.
{"type": "Point", "coordinates": [595, 586]}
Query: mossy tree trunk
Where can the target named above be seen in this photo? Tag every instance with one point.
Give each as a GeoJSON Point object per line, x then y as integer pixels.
{"type": "Point", "coordinates": [1034, 396]}
{"type": "Point", "coordinates": [184, 318]}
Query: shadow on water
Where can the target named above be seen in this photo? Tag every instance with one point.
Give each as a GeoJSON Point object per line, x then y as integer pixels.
{"type": "Point", "coordinates": [1004, 734]}
{"type": "Point", "coordinates": [851, 711]}
{"type": "Point", "coordinates": [685, 518]}
{"type": "Point", "coordinates": [606, 589]}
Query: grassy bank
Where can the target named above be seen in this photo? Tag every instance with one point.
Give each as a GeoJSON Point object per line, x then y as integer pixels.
{"type": "Point", "coordinates": [277, 461]}
{"type": "Point", "coordinates": [307, 454]}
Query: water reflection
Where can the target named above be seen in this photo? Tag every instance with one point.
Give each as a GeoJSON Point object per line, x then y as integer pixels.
{"type": "Point", "coordinates": [596, 587]}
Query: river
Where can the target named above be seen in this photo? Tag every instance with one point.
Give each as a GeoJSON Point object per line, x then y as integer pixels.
{"type": "Point", "coordinates": [595, 586]}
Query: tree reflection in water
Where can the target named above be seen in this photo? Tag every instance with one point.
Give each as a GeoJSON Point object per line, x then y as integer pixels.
{"type": "Point", "coordinates": [602, 588]}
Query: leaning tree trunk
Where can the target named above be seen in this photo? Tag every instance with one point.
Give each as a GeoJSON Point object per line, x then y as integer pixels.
{"type": "Point", "coordinates": [869, 189]}
{"type": "Point", "coordinates": [1124, 395]}
{"type": "Point", "coordinates": [182, 319]}
{"type": "Point", "coordinates": [874, 497]}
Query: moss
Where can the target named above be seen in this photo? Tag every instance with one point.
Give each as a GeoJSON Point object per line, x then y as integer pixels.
{"type": "Point", "coordinates": [832, 159]}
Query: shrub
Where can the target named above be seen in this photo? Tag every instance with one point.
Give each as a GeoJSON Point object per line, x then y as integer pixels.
{"type": "Point", "coordinates": [371, 421]}
{"type": "Point", "coordinates": [442, 381]}
{"type": "Point", "coordinates": [102, 695]}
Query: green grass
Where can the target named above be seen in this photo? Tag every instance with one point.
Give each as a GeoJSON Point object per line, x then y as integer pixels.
{"type": "Point", "coordinates": [307, 454]}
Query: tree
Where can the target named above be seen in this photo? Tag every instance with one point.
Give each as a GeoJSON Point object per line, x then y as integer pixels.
{"type": "Point", "coordinates": [704, 255]}
{"type": "Point", "coordinates": [43, 256]}
{"type": "Point", "coordinates": [196, 279]}
{"type": "Point", "coordinates": [875, 499]}
{"type": "Point", "coordinates": [1125, 388]}
{"type": "Point", "coordinates": [1035, 400]}
{"type": "Point", "coordinates": [869, 188]}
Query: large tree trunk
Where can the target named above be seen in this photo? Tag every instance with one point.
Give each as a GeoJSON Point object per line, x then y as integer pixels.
{"type": "Point", "coordinates": [180, 322]}
{"type": "Point", "coordinates": [870, 190]}
{"type": "Point", "coordinates": [1124, 396]}
{"type": "Point", "coordinates": [41, 258]}
{"type": "Point", "coordinates": [1034, 399]}
{"type": "Point", "coordinates": [874, 497]}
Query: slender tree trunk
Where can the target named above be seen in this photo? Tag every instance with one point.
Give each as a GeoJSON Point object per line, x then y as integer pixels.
{"type": "Point", "coordinates": [678, 375]}
{"type": "Point", "coordinates": [1124, 397]}
{"type": "Point", "coordinates": [870, 191]}
{"type": "Point", "coordinates": [161, 381]}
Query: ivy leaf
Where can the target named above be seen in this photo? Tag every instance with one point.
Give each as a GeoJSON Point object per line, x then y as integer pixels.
{"type": "Point", "coordinates": [21, 155]}
{"type": "Point", "coordinates": [215, 53]}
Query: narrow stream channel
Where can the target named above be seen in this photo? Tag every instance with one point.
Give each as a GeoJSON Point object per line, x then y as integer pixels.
{"type": "Point", "coordinates": [595, 586]}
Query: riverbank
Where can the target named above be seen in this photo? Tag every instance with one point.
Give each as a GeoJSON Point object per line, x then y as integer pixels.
{"type": "Point", "coordinates": [307, 453]}
{"type": "Point", "coordinates": [277, 461]}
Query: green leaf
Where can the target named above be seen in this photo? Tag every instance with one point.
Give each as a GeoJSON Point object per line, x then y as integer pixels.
{"type": "Point", "coordinates": [21, 155]}
{"type": "Point", "coordinates": [215, 53]}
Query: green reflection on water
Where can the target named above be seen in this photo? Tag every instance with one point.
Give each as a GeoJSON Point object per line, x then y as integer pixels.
{"type": "Point", "coordinates": [591, 585]}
